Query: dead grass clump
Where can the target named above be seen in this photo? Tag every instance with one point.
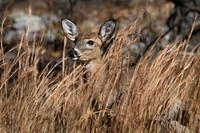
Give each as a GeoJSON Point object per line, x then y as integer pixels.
{"type": "Point", "coordinates": [149, 97]}
{"type": "Point", "coordinates": [164, 90]}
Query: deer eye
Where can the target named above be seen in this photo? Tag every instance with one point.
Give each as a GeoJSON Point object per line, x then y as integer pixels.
{"type": "Point", "coordinates": [90, 42]}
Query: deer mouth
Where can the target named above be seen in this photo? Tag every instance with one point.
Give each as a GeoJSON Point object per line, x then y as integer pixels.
{"type": "Point", "coordinates": [74, 58]}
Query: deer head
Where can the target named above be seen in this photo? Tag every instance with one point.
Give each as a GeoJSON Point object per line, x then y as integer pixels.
{"type": "Point", "coordinates": [88, 47]}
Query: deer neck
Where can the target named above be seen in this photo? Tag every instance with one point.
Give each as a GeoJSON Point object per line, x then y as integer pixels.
{"type": "Point", "coordinates": [93, 66]}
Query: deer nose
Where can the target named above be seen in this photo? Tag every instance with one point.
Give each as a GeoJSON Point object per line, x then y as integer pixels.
{"type": "Point", "coordinates": [73, 54]}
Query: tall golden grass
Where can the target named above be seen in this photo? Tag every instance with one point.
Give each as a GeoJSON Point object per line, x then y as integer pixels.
{"type": "Point", "coordinates": [51, 101]}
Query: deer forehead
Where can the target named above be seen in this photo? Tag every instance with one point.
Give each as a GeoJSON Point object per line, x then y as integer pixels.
{"type": "Point", "coordinates": [91, 36]}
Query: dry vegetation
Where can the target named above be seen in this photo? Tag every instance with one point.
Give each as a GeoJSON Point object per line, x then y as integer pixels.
{"type": "Point", "coordinates": [51, 101]}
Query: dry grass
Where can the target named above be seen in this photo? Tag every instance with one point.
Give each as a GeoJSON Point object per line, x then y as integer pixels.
{"type": "Point", "coordinates": [49, 101]}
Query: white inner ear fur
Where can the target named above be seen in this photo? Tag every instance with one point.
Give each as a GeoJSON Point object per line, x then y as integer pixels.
{"type": "Point", "coordinates": [107, 28]}
{"type": "Point", "coordinates": [70, 29]}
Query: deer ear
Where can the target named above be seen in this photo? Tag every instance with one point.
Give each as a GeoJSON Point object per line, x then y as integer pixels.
{"type": "Point", "coordinates": [107, 29]}
{"type": "Point", "coordinates": [70, 29]}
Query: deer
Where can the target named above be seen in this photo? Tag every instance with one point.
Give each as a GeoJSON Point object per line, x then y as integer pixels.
{"type": "Point", "coordinates": [89, 48]}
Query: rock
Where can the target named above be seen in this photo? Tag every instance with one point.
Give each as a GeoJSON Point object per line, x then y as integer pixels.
{"type": "Point", "coordinates": [22, 22]}
{"type": "Point", "coordinates": [174, 111]}
{"type": "Point", "coordinates": [183, 15]}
